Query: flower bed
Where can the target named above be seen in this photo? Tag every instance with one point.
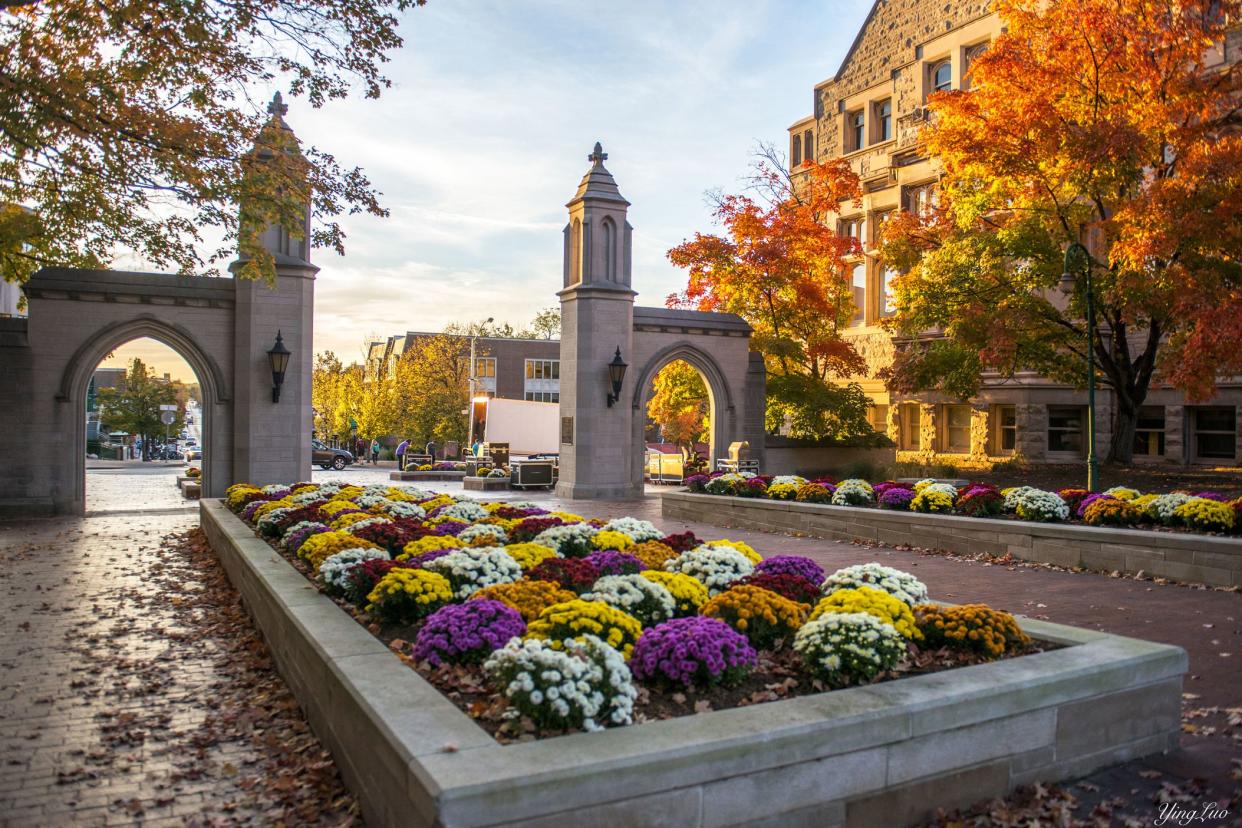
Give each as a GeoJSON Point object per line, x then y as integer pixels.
{"type": "Point", "coordinates": [538, 623]}
{"type": "Point", "coordinates": [1204, 512]}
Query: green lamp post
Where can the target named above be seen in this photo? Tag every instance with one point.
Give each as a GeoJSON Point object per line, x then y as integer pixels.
{"type": "Point", "coordinates": [1067, 287]}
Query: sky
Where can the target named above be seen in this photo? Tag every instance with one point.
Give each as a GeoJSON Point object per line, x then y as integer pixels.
{"type": "Point", "coordinates": [484, 136]}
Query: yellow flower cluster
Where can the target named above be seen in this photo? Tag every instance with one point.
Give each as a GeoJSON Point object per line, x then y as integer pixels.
{"type": "Point", "coordinates": [1123, 493]}
{"type": "Point", "coordinates": [337, 505]}
{"type": "Point", "coordinates": [568, 518]}
{"type": "Point", "coordinates": [399, 496]}
{"type": "Point", "coordinates": [576, 618]}
{"type": "Point", "coordinates": [975, 627]}
{"type": "Point", "coordinates": [283, 503]}
{"type": "Point", "coordinates": [326, 544]}
{"type": "Point", "coordinates": [1105, 512]}
{"type": "Point", "coordinates": [612, 540]}
{"type": "Point", "coordinates": [348, 520]}
{"type": "Point", "coordinates": [757, 613]}
{"type": "Point", "coordinates": [783, 491]}
{"type": "Point", "coordinates": [813, 493]}
{"type": "Point", "coordinates": [688, 591]}
{"type": "Point", "coordinates": [874, 602]}
{"type": "Point", "coordinates": [236, 494]}
{"type": "Point", "coordinates": [529, 555]}
{"type": "Point", "coordinates": [503, 523]}
{"type": "Point", "coordinates": [1143, 501]}
{"type": "Point", "coordinates": [530, 598]}
{"type": "Point", "coordinates": [349, 492]}
{"type": "Point", "coordinates": [746, 549]}
{"type": "Point", "coordinates": [437, 501]}
{"type": "Point", "coordinates": [1206, 515]}
{"type": "Point", "coordinates": [653, 553]}
{"type": "Point", "coordinates": [403, 595]}
{"type": "Point", "coordinates": [932, 501]}
{"type": "Point", "coordinates": [428, 543]}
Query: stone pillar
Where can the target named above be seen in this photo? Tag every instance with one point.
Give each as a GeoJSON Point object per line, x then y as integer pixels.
{"type": "Point", "coordinates": [1032, 436]}
{"type": "Point", "coordinates": [1175, 450]}
{"type": "Point", "coordinates": [598, 454]}
{"type": "Point", "coordinates": [979, 431]}
{"type": "Point", "coordinates": [927, 431]}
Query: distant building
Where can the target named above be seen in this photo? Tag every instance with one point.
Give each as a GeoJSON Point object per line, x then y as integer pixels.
{"type": "Point", "coordinates": [869, 113]}
{"type": "Point", "coordinates": [509, 368]}
{"type": "Point", "coordinates": [102, 378]}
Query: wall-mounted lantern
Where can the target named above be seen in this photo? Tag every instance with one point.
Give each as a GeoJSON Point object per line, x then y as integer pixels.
{"type": "Point", "coordinates": [616, 375]}
{"type": "Point", "coordinates": [278, 356]}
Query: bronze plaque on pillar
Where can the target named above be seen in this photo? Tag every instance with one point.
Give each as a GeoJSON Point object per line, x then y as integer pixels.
{"type": "Point", "coordinates": [567, 431]}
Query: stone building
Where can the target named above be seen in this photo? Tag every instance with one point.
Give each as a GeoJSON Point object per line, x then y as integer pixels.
{"type": "Point", "coordinates": [869, 113]}
{"type": "Point", "coordinates": [506, 367]}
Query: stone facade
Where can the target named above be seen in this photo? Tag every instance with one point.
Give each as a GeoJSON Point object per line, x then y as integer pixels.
{"type": "Point", "coordinates": [870, 113]}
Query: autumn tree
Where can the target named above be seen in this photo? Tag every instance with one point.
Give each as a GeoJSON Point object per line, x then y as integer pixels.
{"type": "Point", "coordinates": [680, 406]}
{"type": "Point", "coordinates": [780, 265]}
{"type": "Point", "coordinates": [1104, 122]}
{"type": "Point", "coordinates": [545, 325]}
{"type": "Point", "coordinates": [130, 124]}
{"type": "Point", "coordinates": [328, 396]}
{"type": "Point", "coordinates": [135, 408]}
{"type": "Point", "coordinates": [432, 388]}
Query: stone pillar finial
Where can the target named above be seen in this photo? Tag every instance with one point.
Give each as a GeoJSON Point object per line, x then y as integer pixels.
{"type": "Point", "coordinates": [280, 109]}
{"type": "Point", "coordinates": [597, 157]}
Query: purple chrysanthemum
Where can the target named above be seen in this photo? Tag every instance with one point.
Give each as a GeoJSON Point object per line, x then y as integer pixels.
{"type": "Point", "coordinates": [610, 562]}
{"type": "Point", "coordinates": [690, 651]}
{"type": "Point", "coordinates": [896, 499]}
{"type": "Point", "coordinates": [1088, 500]}
{"type": "Point", "coordinates": [791, 565]}
{"type": "Point", "coordinates": [467, 633]}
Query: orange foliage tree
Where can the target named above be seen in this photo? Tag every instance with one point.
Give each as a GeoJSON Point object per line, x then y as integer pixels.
{"type": "Point", "coordinates": [1110, 122]}
{"type": "Point", "coordinates": [780, 265]}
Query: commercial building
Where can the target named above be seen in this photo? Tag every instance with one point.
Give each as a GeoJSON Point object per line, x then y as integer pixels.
{"type": "Point", "coordinates": [505, 367]}
{"type": "Point", "coordinates": [869, 113]}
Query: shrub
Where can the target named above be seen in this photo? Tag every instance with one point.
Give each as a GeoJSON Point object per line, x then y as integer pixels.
{"type": "Point", "coordinates": [974, 627]}
{"type": "Point", "coordinates": [754, 487]}
{"type": "Point", "coordinates": [467, 633]}
{"type": "Point", "coordinates": [761, 615]}
{"type": "Point", "coordinates": [1086, 502]}
{"type": "Point", "coordinates": [794, 587]}
{"type": "Point", "coordinates": [576, 574]}
{"type": "Point", "coordinates": [576, 618]}
{"type": "Point", "coordinates": [335, 568]}
{"type": "Point", "coordinates": [875, 602]}
{"type": "Point", "coordinates": [469, 570]}
{"type": "Point", "coordinates": [403, 596]}
{"type": "Point", "coordinates": [467, 511]}
{"type": "Point", "coordinates": [901, 585]}
{"type": "Point", "coordinates": [648, 601]}
{"type": "Point", "coordinates": [609, 562]}
{"type": "Point", "coordinates": [784, 490]}
{"type": "Point", "coordinates": [813, 493]}
{"type": "Point", "coordinates": [791, 565]}
{"type": "Point", "coordinates": [1205, 515]}
{"type": "Point", "coordinates": [1110, 512]}
{"type": "Point", "coordinates": [653, 553]}
{"type": "Point", "coordinates": [585, 684]}
{"type": "Point", "coordinates": [693, 651]}
{"type": "Point", "coordinates": [529, 555]}
{"type": "Point", "coordinates": [844, 648]}
{"type": "Point", "coordinates": [853, 492]}
{"type": "Point", "coordinates": [529, 598]}
{"type": "Point", "coordinates": [688, 593]}
{"type": "Point", "coordinates": [571, 540]}
{"type": "Point", "coordinates": [318, 548]}
{"type": "Point", "coordinates": [897, 499]}
{"type": "Point", "coordinates": [715, 567]}
{"type": "Point", "coordinates": [696, 483]}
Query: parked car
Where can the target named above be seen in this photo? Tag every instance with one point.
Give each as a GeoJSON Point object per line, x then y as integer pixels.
{"type": "Point", "coordinates": [193, 454]}
{"type": "Point", "coordinates": [330, 458]}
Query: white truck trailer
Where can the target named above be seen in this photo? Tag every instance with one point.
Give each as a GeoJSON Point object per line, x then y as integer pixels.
{"type": "Point", "coordinates": [528, 427]}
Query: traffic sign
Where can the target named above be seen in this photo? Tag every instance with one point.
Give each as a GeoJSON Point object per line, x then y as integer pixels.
{"type": "Point", "coordinates": [168, 408]}
{"type": "Point", "coordinates": [167, 417]}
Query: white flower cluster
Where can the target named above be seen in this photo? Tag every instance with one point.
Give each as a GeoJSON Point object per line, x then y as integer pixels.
{"type": "Point", "coordinates": [298, 527]}
{"type": "Point", "coordinates": [370, 501]}
{"type": "Point", "coordinates": [848, 646]}
{"type": "Point", "coordinates": [1036, 504]}
{"type": "Point", "coordinates": [787, 480]}
{"type": "Point", "coordinates": [375, 490]}
{"type": "Point", "coordinates": [523, 504]}
{"type": "Point", "coordinates": [947, 488]}
{"type": "Point", "coordinates": [497, 534]}
{"type": "Point", "coordinates": [371, 521]}
{"type": "Point", "coordinates": [1014, 495]}
{"type": "Point", "coordinates": [649, 602]}
{"type": "Point", "coordinates": [565, 538]}
{"type": "Point", "coordinates": [466, 510]}
{"type": "Point", "coordinates": [415, 492]}
{"type": "Point", "coordinates": [724, 483]}
{"type": "Point", "coordinates": [900, 585]}
{"type": "Point", "coordinates": [336, 566]}
{"type": "Point", "coordinates": [309, 496]}
{"type": "Point", "coordinates": [1163, 507]}
{"type": "Point", "coordinates": [634, 529]}
{"type": "Point", "coordinates": [715, 566]}
{"type": "Point", "coordinates": [853, 492]}
{"type": "Point", "coordinates": [469, 570]}
{"type": "Point", "coordinates": [272, 488]}
{"type": "Point", "coordinates": [267, 524]}
{"type": "Point", "coordinates": [404, 509]}
{"type": "Point", "coordinates": [587, 684]}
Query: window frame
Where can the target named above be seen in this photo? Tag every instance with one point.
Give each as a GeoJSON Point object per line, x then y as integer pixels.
{"type": "Point", "coordinates": [998, 428]}
{"type": "Point", "coordinates": [933, 69]}
{"type": "Point", "coordinates": [883, 123]}
{"type": "Point", "coordinates": [1195, 431]}
{"type": "Point", "coordinates": [1081, 431]}
{"type": "Point", "coordinates": [855, 130]}
{"type": "Point", "coordinates": [947, 410]}
{"type": "Point", "coordinates": [909, 426]}
{"type": "Point", "coordinates": [1143, 435]}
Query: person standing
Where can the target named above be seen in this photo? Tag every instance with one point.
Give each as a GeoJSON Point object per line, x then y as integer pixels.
{"type": "Point", "coordinates": [375, 447]}
{"type": "Point", "coordinates": [402, 447]}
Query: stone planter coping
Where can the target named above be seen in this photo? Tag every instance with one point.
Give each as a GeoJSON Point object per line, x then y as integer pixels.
{"type": "Point", "coordinates": [1208, 559]}
{"type": "Point", "coordinates": [426, 475]}
{"type": "Point", "coordinates": [880, 754]}
{"type": "Point", "coordinates": [485, 484]}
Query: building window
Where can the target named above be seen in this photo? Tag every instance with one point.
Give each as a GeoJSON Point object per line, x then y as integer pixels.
{"type": "Point", "coordinates": [969, 56]}
{"type": "Point", "coordinates": [942, 76]}
{"type": "Point", "coordinates": [853, 228]}
{"type": "Point", "coordinates": [1149, 432]}
{"type": "Point", "coordinates": [855, 123]}
{"type": "Point", "coordinates": [908, 416]}
{"type": "Point", "coordinates": [858, 279]}
{"type": "Point", "coordinates": [884, 120]}
{"type": "Point", "coordinates": [610, 248]}
{"type": "Point", "coordinates": [956, 432]}
{"type": "Point", "coordinates": [795, 152]}
{"type": "Point", "coordinates": [888, 304]}
{"type": "Point", "coordinates": [1215, 433]}
{"type": "Point", "coordinates": [485, 374]}
{"type": "Point", "coordinates": [1004, 420]}
{"type": "Point", "coordinates": [1065, 429]}
{"type": "Point", "coordinates": [543, 380]}
{"type": "Point", "coordinates": [808, 146]}
{"type": "Point", "coordinates": [921, 200]}
{"type": "Point", "coordinates": [878, 221]}
{"type": "Point", "coordinates": [542, 396]}
{"type": "Point", "coordinates": [877, 415]}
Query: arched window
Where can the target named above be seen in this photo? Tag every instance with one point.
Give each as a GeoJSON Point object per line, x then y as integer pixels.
{"type": "Point", "coordinates": [808, 146]}
{"type": "Point", "coordinates": [942, 76]}
{"type": "Point", "coordinates": [575, 251]}
{"type": "Point", "coordinates": [610, 249]}
{"type": "Point", "coordinates": [797, 152]}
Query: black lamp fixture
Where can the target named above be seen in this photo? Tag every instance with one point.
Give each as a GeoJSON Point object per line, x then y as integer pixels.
{"type": "Point", "coordinates": [616, 375]}
{"type": "Point", "coordinates": [278, 356]}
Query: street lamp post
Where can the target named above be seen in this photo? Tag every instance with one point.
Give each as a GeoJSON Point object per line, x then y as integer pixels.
{"type": "Point", "coordinates": [1067, 286]}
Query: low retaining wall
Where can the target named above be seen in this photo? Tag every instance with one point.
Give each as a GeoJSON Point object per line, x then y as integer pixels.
{"type": "Point", "coordinates": [408, 476]}
{"type": "Point", "coordinates": [880, 755]}
{"type": "Point", "coordinates": [1203, 559]}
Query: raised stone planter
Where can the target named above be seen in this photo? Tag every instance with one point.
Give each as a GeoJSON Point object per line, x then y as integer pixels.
{"type": "Point", "coordinates": [190, 488]}
{"type": "Point", "coordinates": [1188, 557]}
{"type": "Point", "coordinates": [409, 476]}
{"type": "Point", "coordinates": [885, 754]}
{"type": "Point", "coordinates": [485, 484]}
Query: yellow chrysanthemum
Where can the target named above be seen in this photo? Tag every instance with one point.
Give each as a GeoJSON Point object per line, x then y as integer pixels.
{"type": "Point", "coordinates": [529, 555]}
{"type": "Point", "coordinates": [429, 543]}
{"type": "Point", "coordinates": [875, 602]}
{"type": "Point", "coordinates": [576, 618]}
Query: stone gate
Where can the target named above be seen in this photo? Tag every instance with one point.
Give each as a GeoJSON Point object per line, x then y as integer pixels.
{"type": "Point", "coordinates": [602, 447]}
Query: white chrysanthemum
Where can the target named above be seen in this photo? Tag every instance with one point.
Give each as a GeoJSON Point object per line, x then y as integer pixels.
{"type": "Point", "coordinates": [787, 480]}
{"type": "Point", "coordinates": [853, 492]}
{"type": "Point", "coordinates": [1163, 507]}
{"type": "Point", "coordinates": [634, 529]}
{"type": "Point", "coordinates": [648, 601]}
{"type": "Point", "coordinates": [467, 511]}
{"type": "Point", "coordinates": [296, 528]}
{"type": "Point", "coordinates": [335, 567]}
{"type": "Point", "coordinates": [567, 539]}
{"type": "Point", "coordinates": [469, 570]}
{"type": "Point", "coordinates": [497, 534]}
{"type": "Point", "coordinates": [267, 523]}
{"type": "Point", "coordinates": [715, 566]}
{"type": "Point", "coordinates": [308, 496]}
{"type": "Point", "coordinates": [404, 509]}
{"type": "Point", "coordinates": [901, 585]}
{"type": "Point", "coordinates": [1038, 505]}
{"type": "Point", "coordinates": [845, 647]}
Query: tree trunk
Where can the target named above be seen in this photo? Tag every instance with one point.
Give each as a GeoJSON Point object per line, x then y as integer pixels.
{"type": "Point", "coordinates": [1121, 450]}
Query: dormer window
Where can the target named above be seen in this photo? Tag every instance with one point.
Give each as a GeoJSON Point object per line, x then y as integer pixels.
{"type": "Point", "coordinates": [808, 146]}
{"type": "Point", "coordinates": [942, 76]}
